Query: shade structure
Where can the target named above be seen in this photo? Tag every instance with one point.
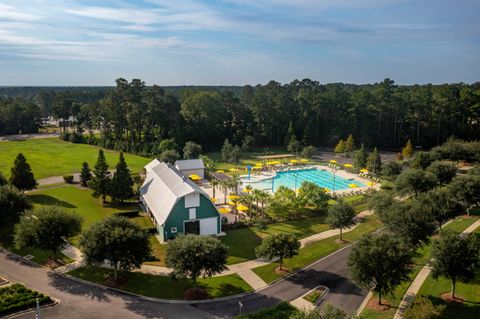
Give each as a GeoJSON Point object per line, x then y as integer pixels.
{"type": "Point", "coordinates": [242, 208]}
{"type": "Point", "coordinates": [333, 161]}
{"type": "Point", "coordinates": [220, 171]}
{"type": "Point", "coordinates": [304, 160]}
{"type": "Point", "coordinates": [347, 165]}
{"type": "Point", "coordinates": [233, 197]}
{"type": "Point", "coordinates": [224, 210]}
{"type": "Point", "coordinates": [364, 170]}
{"type": "Point", "coordinates": [194, 177]}
{"type": "Point", "coordinates": [213, 199]}
{"type": "Point", "coordinates": [370, 184]}
{"type": "Point", "coordinates": [352, 185]}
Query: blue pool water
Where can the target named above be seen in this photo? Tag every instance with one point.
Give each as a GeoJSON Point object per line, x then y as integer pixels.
{"type": "Point", "coordinates": [294, 179]}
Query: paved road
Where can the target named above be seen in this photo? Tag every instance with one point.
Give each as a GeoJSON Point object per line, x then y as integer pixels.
{"type": "Point", "coordinates": [84, 301]}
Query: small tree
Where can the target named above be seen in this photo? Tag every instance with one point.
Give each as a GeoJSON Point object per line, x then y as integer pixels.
{"type": "Point", "coordinates": [280, 245]}
{"type": "Point", "coordinates": [415, 181]}
{"type": "Point", "coordinates": [423, 308]}
{"type": "Point", "coordinates": [167, 144]}
{"type": "Point", "coordinates": [290, 134]}
{"type": "Point", "coordinates": [455, 257]}
{"type": "Point", "coordinates": [294, 145]}
{"type": "Point", "coordinates": [349, 144]}
{"type": "Point", "coordinates": [169, 156]}
{"type": "Point", "coordinates": [374, 162]}
{"type": "Point", "coordinates": [466, 190]}
{"type": "Point", "coordinates": [379, 263]}
{"type": "Point", "coordinates": [382, 204]}
{"type": "Point", "coordinates": [21, 175]}
{"type": "Point", "coordinates": [312, 195]}
{"type": "Point", "coordinates": [12, 203]}
{"type": "Point", "coordinates": [340, 147]}
{"type": "Point", "coordinates": [440, 204]}
{"type": "Point", "coordinates": [341, 215]}
{"type": "Point", "coordinates": [361, 158]}
{"type": "Point", "coordinates": [226, 151]}
{"type": "Point", "coordinates": [235, 154]}
{"type": "Point", "coordinates": [422, 160]}
{"type": "Point", "coordinates": [121, 186]}
{"type": "Point", "coordinates": [407, 151]}
{"type": "Point", "coordinates": [47, 228]}
{"type": "Point", "coordinates": [444, 171]}
{"type": "Point", "coordinates": [191, 150]}
{"type": "Point", "coordinates": [192, 256]}
{"type": "Point", "coordinates": [85, 174]}
{"type": "Point", "coordinates": [118, 241]}
{"type": "Point", "coordinates": [100, 182]}
{"type": "Point", "coordinates": [308, 151]}
{"type": "Point", "coordinates": [392, 169]}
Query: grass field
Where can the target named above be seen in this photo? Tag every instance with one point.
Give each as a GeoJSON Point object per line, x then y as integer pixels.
{"type": "Point", "coordinates": [317, 250]}
{"type": "Point", "coordinates": [165, 287]}
{"type": "Point", "coordinates": [53, 157]}
{"type": "Point", "coordinates": [242, 242]}
{"type": "Point", "coordinates": [420, 259]}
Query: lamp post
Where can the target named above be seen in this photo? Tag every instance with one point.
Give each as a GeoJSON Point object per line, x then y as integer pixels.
{"type": "Point", "coordinates": [334, 174]}
{"type": "Point", "coordinates": [296, 176]}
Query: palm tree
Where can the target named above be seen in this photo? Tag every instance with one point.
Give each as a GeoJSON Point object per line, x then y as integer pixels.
{"type": "Point", "coordinates": [264, 198]}
{"type": "Point", "coordinates": [235, 181]}
{"type": "Point", "coordinates": [256, 196]}
{"type": "Point", "coordinates": [225, 184]}
{"type": "Point", "coordinates": [248, 200]}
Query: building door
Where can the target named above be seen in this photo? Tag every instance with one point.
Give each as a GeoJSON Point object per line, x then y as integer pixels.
{"type": "Point", "coordinates": [192, 227]}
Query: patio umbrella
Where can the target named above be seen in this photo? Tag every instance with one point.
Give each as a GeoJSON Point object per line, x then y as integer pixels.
{"type": "Point", "coordinates": [247, 190]}
{"type": "Point", "coordinates": [304, 160]}
{"type": "Point", "coordinates": [224, 210]}
{"type": "Point", "coordinates": [233, 169]}
{"type": "Point", "coordinates": [348, 165]}
{"type": "Point", "coordinates": [333, 161]}
{"type": "Point", "coordinates": [364, 170]}
{"type": "Point", "coordinates": [271, 163]}
{"type": "Point", "coordinates": [293, 161]}
{"type": "Point", "coordinates": [233, 197]}
{"type": "Point", "coordinates": [370, 184]}
{"type": "Point", "coordinates": [242, 208]}
{"type": "Point", "coordinates": [213, 199]}
{"type": "Point", "coordinates": [231, 203]}
{"type": "Point", "coordinates": [259, 164]}
{"type": "Point", "coordinates": [326, 190]}
{"type": "Point", "coordinates": [352, 185]}
{"type": "Point", "coordinates": [194, 177]}
{"type": "Point", "coordinates": [220, 171]}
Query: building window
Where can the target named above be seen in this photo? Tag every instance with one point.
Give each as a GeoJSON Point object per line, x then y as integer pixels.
{"type": "Point", "coordinates": [173, 230]}
{"type": "Point", "coordinates": [192, 213]}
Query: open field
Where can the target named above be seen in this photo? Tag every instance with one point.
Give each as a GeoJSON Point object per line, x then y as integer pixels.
{"type": "Point", "coordinates": [164, 287]}
{"type": "Point", "coordinates": [53, 157]}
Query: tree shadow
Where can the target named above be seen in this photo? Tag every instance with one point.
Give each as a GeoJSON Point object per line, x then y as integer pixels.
{"type": "Point", "coordinates": [469, 309]}
{"type": "Point", "coordinates": [43, 199]}
{"type": "Point", "coordinates": [73, 287]}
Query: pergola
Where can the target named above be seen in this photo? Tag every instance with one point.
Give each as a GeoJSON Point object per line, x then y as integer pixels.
{"type": "Point", "coordinates": [280, 157]}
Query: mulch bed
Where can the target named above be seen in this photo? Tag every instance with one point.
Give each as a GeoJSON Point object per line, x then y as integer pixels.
{"type": "Point", "coordinates": [196, 293]}
{"type": "Point", "coordinates": [447, 297]}
{"type": "Point", "coordinates": [282, 272]}
{"type": "Point", "coordinates": [52, 264]}
{"type": "Point", "coordinates": [110, 282]}
{"type": "Point", "coordinates": [373, 305]}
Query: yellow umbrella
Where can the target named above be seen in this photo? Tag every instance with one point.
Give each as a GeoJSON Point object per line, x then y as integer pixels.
{"type": "Point", "coordinates": [348, 165]}
{"type": "Point", "coordinates": [352, 185]}
{"type": "Point", "coordinates": [271, 163]}
{"type": "Point", "coordinates": [194, 177]}
{"type": "Point", "coordinates": [259, 164]}
{"type": "Point", "coordinates": [304, 160]}
{"type": "Point", "coordinates": [293, 161]}
{"type": "Point", "coordinates": [242, 208]}
{"type": "Point", "coordinates": [257, 167]}
{"type": "Point", "coordinates": [364, 170]}
{"type": "Point", "coordinates": [370, 184]}
{"type": "Point", "coordinates": [231, 203]}
{"type": "Point", "coordinates": [247, 190]}
{"type": "Point", "coordinates": [233, 169]}
{"type": "Point", "coordinates": [220, 171]}
{"type": "Point", "coordinates": [213, 199]}
{"type": "Point", "coordinates": [333, 161]}
{"type": "Point", "coordinates": [224, 210]}
{"type": "Point", "coordinates": [326, 190]}
{"type": "Point", "coordinates": [233, 197]}
{"type": "Point", "coordinates": [276, 162]}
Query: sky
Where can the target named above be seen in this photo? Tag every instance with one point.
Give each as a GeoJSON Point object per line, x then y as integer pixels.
{"type": "Point", "coordinates": [238, 42]}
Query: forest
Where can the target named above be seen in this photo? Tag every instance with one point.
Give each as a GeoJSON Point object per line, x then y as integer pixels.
{"type": "Point", "coordinates": [132, 116]}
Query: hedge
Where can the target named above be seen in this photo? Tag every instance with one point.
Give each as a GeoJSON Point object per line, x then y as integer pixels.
{"type": "Point", "coordinates": [17, 297]}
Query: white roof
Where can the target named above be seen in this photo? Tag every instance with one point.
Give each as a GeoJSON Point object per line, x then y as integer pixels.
{"type": "Point", "coordinates": [184, 165]}
{"type": "Point", "coordinates": [163, 187]}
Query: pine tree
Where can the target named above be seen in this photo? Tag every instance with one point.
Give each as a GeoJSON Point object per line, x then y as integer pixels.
{"type": "Point", "coordinates": [361, 158]}
{"type": "Point", "coordinates": [374, 162]}
{"type": "Point", "coordinates": [290, 134]}
{"type": "Point", "coordinates": [407, 151]}
{"type": "Point", "coordinates": [100, 182]}
{"type": "Point", "coordinates": [349, 144]}
{"type": "Point", "coordinates": [121, 186]}
{"type": "Point", "coordinates": [21, 174]}
{"type": "Point", "coordinates": [85, 174]}
{"type": "Point", "coordinates": [340, 148]}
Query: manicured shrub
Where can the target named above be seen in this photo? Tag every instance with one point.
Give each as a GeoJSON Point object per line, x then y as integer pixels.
{"type": "Point", "coordinates": [17, 297]}
{"type": "Point", "coordinates": [68, 179]}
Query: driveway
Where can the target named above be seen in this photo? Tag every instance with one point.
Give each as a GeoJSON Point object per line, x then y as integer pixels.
{"type": "Point", "coordinates": [80, 300]}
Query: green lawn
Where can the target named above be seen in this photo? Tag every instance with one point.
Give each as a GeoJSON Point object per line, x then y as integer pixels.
{"type": "Point", "coordinates": [317, 250]}
{"type": "Point", "coordinates": [164, 287]}
{"type": "Point", "coordinates": [242, 242]}
{"type": "Point", "coordinates": [420, 259]}
{"type": "Point", "coordinates": [158, 251]}
{"type": "Point", "coordinates": [53, 157]}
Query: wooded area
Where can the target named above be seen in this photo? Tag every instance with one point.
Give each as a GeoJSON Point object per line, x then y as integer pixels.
{"type": "Point", "coordinates": [135, 117]}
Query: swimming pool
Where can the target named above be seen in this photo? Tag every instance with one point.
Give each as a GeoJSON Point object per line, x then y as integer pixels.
{"type": "Point", "coordinates": [293, 179]}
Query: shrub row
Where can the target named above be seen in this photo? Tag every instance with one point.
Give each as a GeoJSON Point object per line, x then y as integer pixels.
{"type": "Point", "coordinates": [17, 297]}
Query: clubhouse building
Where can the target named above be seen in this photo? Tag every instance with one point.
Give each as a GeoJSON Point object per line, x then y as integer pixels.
{"type": "Point", "coordinates": [176, 204]}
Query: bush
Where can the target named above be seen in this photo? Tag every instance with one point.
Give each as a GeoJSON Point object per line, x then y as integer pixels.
{"type": "Point", "coordinates": [68, 179]}
{"type": "Point", "coordinates": [281, 311]}
{"type": "Point", "coordinates": [17, 297]}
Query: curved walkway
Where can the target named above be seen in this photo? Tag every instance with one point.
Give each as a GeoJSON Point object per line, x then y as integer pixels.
{"type": "Point", "coordinates": [417, 283]}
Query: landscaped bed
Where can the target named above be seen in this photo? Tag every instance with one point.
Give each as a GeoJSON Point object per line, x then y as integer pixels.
{"type": "Point", "coordinates": [317, 250]}
{"type": "Point", "coordinates": [164, 287]}
{"type": "Point", "coordinates": [17, 297]}
{"type": "Point", "coordinates": [315, 295]}
{"type": "Point", "coordinates": [283, 310]}
{"type": "Point", "coordinates": [53, 157]}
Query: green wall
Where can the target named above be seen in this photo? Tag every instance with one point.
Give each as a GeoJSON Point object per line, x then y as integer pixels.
{"type": "Point", "coordinates": [179, 214]}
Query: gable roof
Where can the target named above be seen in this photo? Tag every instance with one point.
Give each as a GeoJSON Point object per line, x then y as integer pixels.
{"type": "Point", "coordinates": [183, 165]}
{"type": "Point", "coordinates": [163, 187]}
